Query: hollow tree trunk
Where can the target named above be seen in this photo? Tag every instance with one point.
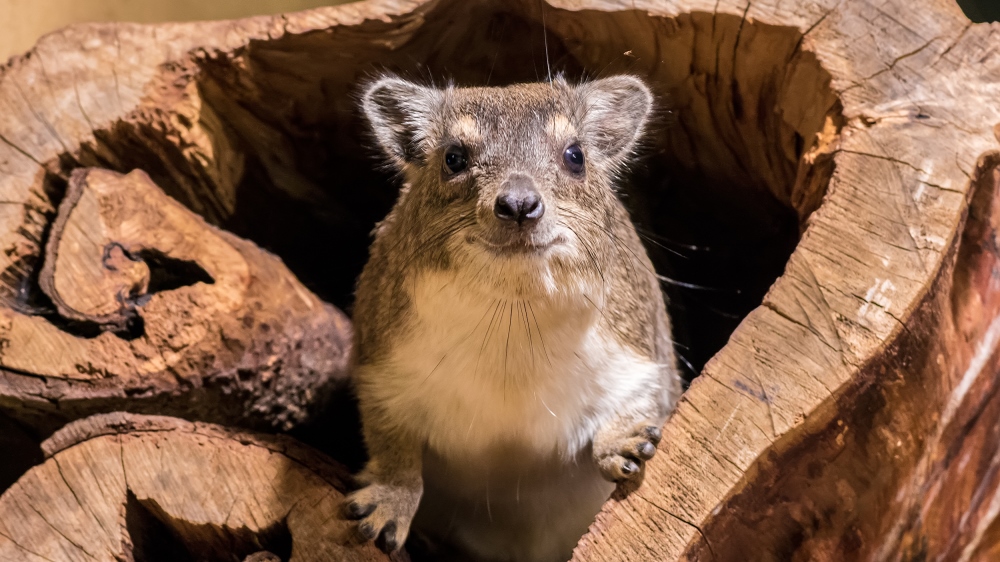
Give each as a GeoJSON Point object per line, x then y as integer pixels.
{"type": "Point", "coordinates": [131, 487]}
{"type": "Point", "coordinates": [853, 415]}
{"type": "Point", "coordinates": [850, 415]}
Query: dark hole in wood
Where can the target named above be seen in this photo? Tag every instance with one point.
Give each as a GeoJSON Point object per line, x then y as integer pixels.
{"type": "Point", "coordinates": [19, 450]}
{"type": "Point", "coordinates": [727, 247]}
{"type": "Point", "coordinates": [152, 540]}
{"type": "Point", "coordinates": [158, 538]}
{"type": "Point", "coordinates": [167, 274]}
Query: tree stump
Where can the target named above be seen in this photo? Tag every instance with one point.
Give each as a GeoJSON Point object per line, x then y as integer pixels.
{"type": "Point", "coordinates": [131, 487]}
{"type": "Point", "coordinates": [825, 168]}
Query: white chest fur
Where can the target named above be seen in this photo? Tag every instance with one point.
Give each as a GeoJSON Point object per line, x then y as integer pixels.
{"type": "Point", "coordinates": [478, 372]}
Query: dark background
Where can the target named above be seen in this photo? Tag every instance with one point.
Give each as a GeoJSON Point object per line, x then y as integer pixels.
{"type": "Point", "coordinates": [981, 10]}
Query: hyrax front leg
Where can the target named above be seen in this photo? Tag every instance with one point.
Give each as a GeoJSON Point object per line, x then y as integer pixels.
{"type": "Point", "coordinates": [393, 484]}
{"type": "Point", "coordinates": [622, 446]}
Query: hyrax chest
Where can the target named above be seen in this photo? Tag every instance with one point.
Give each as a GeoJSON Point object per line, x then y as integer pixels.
{"type": "Point", "coordinates": [477, 373]}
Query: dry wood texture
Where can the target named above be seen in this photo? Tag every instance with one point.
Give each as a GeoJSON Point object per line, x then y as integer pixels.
{"type": "Point", "coordinates": [823, 417]}
{"type": "Point", "coordinates": [120, 487]}
{"type": "Point", "coordinates": [850, 415]}
{"type": "Point", "coordinates": [154, 310]}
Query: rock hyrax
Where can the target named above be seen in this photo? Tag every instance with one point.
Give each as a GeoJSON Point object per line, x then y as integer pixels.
{"type": "Point", "coordinates": [513, 355]}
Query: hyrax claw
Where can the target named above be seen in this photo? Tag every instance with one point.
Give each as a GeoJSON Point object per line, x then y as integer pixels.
{"type": "Point", "coordinates": [383, 513]}
{"type": "Point", "coordinates": [624, 457]}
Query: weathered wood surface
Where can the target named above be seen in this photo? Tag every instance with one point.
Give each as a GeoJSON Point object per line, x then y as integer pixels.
{"type": "Point", "coordinates": [902, 464]}
{"type": "Point", "coordinates": [157, 311]}
{"type": "Point", "coordinates": [858, 323]}
{"type": "Point", "coordinates": [129, 487]}
{"type": "Point", "coordinates": [865, 119]}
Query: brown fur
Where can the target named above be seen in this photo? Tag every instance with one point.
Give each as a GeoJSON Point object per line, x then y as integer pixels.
{"type": "Point", "coordinates": [516, 130]}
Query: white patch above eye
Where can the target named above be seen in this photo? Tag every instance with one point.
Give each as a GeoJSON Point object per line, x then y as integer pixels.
{"type": "Point", "coordinates": [559, 127]}
{"type": "Point", "coordinates": [466, 127]}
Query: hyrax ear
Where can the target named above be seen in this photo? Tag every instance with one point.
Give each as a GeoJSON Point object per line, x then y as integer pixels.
{"type": "Point", "coordinates": [402, 115]}
{"type": "Point", "coordinates": [615, 111]}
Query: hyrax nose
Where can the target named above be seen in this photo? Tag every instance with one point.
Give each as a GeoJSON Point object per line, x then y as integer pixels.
{"type": "Point", "coordinates": [518, 201]}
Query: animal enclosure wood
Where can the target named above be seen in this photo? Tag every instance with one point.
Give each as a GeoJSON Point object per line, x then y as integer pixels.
{"type": "Point", "coordinates": [130, 487]}
{"type": "Point", "coordinates": [851, 415]}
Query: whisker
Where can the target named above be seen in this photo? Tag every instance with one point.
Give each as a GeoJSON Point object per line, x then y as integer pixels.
{"type": "Point", "coordinates": [542, 400]}
{"type": "Point", "coordinates": [674, 243]}
{"type": "Point", "coordinates": [687, 285]}
{"type": "Point", "coordinates": [687, 363]}
{"type": "Point", "coordinates": [618, 242]}
{"type": "Point", "coordinates": [434, 241]}
{"type": "Point", "coordinates": [497, 55]}
{"type": "Point", "coordinates": [463, 340]}
{"type": "Point", "coordinates": [527, 329]}
{"type": "Point", "coordinates": [662, 246]}
{"type": "Point", "coordinates": [427, 227]}
{"type": "Point", "coordinates": [486, 337]}
{"type": "Point", "coordinates": [541, 340]}
{"type": "Point", "coordinates": [723, 313]}
{"type": "Point", "coordinates": [590, 254]}
{"type": "Point", "coordinates": [506, 349]}
{"type": "Point", "coordinates": [545, 40]}
{"type": "Point", "coordinates": [608, 323]}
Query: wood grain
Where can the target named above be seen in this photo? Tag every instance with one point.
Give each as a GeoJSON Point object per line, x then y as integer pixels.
{"type": "Point", "coordinates": [151, 303]}
{"type": "Point", "coordinates": [129, 487]}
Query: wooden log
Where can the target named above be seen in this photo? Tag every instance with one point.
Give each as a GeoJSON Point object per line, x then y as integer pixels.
{"type": "Point", "coordinates": [130, 487]}
{"type": "Point", "coordinates": [156, 311]}
{"type": "Point", "coordinates": [902, 463]}
{"type": "Point", "coordinates": [847, 131]}
{"type": "Point", "coordinates": [835, 424]}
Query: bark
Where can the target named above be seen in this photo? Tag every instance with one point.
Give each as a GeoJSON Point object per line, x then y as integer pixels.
{"type": "Point", "coordinates": [144, 306]}
{"type": "Point", "coordinates": [131, 487]}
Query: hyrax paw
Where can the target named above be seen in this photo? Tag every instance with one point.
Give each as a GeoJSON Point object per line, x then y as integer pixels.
{"type": "Point", "coordinates": [383, 512]}
{"type": "Point", "coordinates": [624, 459]}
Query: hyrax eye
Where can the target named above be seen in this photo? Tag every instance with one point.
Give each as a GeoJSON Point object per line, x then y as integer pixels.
{"type": "Point", "coordinates": [573, 157]}
{"type": "Point", "coordinates": [455, 159]}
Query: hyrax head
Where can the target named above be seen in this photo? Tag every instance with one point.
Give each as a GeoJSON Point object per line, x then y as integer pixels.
{"type": "Point", "coordinates": [513, 184]}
